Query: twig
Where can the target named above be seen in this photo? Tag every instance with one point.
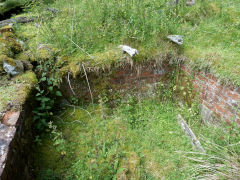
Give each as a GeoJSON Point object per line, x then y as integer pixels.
{"type": "Point", "coordinates": [87, 82]}
{"type": "Point", "coordinates": [81, 109]}
{"type": "Point", "coordinates": [73, 111]}
{"type": "Point", "coordinates": [81, 48]}
{"type": "Point", "coordinates": [70, 85]}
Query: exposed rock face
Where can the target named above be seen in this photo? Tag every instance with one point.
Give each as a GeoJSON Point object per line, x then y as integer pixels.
{"type": "Point", "coordinates": [176, 39]}
{"type": "Point", "coordinates": [52, 10]}
{"type": "Point", "coordinates": [10, 47]}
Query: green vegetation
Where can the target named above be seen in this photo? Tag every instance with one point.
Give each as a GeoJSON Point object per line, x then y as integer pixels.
{"type": "Point", "coordinates": [139, 139]}
{"type": "Point", "coordinates": [7, 5]}
{"type": "Point", "coordinates": [90, 31]}
{"type": "Point", "coordinates": [136, 140]}
{"type": "Point", "coordinates": [47, 92]}
{"type": "Point", "coordinates": [14, 92]}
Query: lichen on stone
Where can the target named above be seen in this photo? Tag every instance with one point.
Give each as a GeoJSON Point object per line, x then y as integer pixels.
{"type": "Point", "coordinates": [11, 44]}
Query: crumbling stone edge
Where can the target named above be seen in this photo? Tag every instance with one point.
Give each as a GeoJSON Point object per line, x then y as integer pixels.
{"type": "Point", "coordinates": [15, 143]}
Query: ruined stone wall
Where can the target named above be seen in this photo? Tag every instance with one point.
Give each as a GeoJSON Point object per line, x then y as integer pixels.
{"type": "Point", "coordinates": [218, 102]}
{"type": "Point", "coordinates": [15, 144]}
{"type": "Point", "coordinates": [120, 81]}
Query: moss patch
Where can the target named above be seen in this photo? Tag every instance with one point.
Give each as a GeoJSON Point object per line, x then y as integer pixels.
{"type": "Point", "coordinates": [14, 92]}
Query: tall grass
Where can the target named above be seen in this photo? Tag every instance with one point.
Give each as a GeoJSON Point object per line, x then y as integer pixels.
{"type": "Point", "coordinates": [220, 162]}
{"type": "Point", "coordinates": [99, 24]}
{"type": "Point", "coordinates": [210, 30]}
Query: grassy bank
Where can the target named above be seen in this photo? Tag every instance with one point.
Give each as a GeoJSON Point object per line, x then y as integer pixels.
{"type": "Point", "coordinates": [91, 31]}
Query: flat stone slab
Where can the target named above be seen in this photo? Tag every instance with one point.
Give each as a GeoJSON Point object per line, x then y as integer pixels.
{"type": "Point", "coordinates": [10, 118]}
{"type": "Point", "coordinates": [129, 50]}
{"type": "Point", "coordinates": [6, 135]}
{"type": "Point", "coordinates": [176, 39]}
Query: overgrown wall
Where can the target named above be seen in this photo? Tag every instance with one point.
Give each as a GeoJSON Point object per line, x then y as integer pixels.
{"type": "Point", "coordinates": [117, 82]}
{"type": "Point", "coordinates": [218, 102]}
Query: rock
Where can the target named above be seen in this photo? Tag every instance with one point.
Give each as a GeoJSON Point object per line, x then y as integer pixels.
{"type": "Point", "coordinates": [27, 65]}
{"type": "Point", "coordinates": [127, 49]}
{"type": "Point", "coordinates": [6, 30]}
{"type": "Point", "coordinates": [173, 3]}
{"type": "Point", "coordinates": [37, 25]}
{"type": "Point", "coordinates": [190, 2]}
{"type": "Point", "coordinates": [16, 20]}
{"type": "Point", "coordinates": [52, 10]}
{"type": "Point", "coordinates": [13, 67]}
{"type": "Point", "coordinates": [176, 38]}
{"type": "Point", "coordinates": [10, 118]}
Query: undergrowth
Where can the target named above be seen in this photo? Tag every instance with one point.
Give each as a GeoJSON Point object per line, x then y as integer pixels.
{"type": "Point", "coordinates": [138, 139]}
{"type": "Point", "coordinates": [134, 140]}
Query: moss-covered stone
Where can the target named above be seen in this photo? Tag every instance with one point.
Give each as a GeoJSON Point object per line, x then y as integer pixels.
{"type": "Point", "coordinates": [14, 92]}
{"type": "Point", "coordinates": [10, 44]}
{"type": "Point", "coordinates": [44, 53]}
{"type": "Point", "coordinates": [26, 56]}
{"type": "Point", "coordinates": [7, 31]}
{"type": "Point", "coordinates": [2, 59]}
{"type": "Point", "coordinates": [11, 66]}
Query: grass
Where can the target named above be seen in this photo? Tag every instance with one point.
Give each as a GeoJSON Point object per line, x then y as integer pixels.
{"type": "Point", "coordinates": [139, 139]}
{"type": "Point", "coordinates": [110, 143]}
{"type": "Point", "coordinates": [210, 30]}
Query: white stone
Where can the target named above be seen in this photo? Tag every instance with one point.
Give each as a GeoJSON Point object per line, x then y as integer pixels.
{"type": "Point", "coordinates": [127, 49]}
{"type": "Point", "coordinates": [13, 70]}
{"type": "Point", "coordinates": [190, 2]}
{"type": "Point", "coordinates": [176, 38]}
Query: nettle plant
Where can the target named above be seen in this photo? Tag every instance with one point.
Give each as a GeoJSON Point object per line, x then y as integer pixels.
{"type": "Point", "coordinates": [47, 92]}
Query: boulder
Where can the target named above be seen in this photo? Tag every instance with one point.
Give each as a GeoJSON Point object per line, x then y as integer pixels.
{"type": "Point", "coordinates": [176, 39]}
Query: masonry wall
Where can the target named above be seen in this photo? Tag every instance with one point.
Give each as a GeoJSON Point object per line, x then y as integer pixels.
{"type": "Point", "coordinates": [15, 144]}
{"type": "Point", "coordinates": [218, 102]}
{"type": "Point", "coordinates": [119, 82]}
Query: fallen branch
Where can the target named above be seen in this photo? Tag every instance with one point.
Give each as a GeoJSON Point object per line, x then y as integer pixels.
{"type": "Point", "coordinates": [194, 141]}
